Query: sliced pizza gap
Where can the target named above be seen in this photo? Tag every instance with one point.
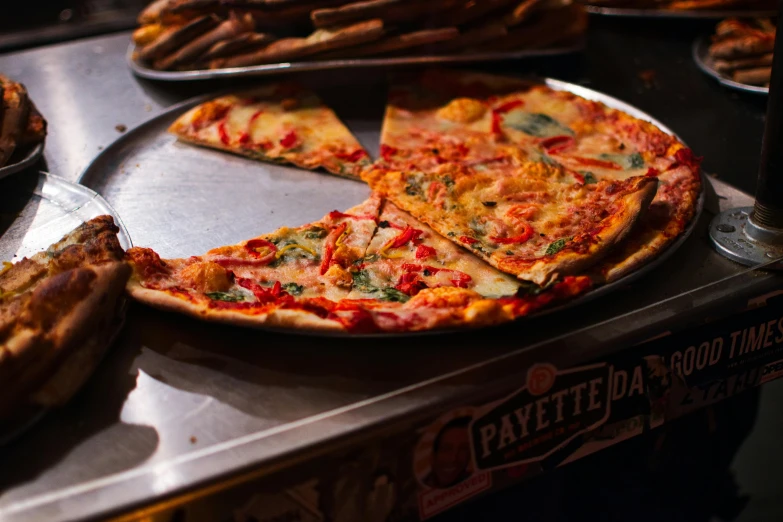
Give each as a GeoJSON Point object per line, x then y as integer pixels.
{"type": "Point", "coordinates": [280, 123]}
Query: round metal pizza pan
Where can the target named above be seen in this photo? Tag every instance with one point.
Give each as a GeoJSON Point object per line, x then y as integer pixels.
{"type": "Point", "coordinates": [714, 14]}
{"type": "Point", "coordinates": [701, 55]}
{"type": "Point", "coordinates": [181, 200]}
{"type": "Point", "coordinates": [36, 211]}
{"type": "Point", "coordinates": [22, 160]}
{"type": "Point", "coordinates": [356, 63]}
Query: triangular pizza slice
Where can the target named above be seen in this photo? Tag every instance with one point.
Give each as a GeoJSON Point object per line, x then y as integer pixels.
{"type": "Point", "coordinates": [281, 123]}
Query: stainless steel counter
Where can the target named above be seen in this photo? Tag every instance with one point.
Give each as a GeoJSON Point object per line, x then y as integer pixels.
{"type": "Point", "coordinates": [178, 403]}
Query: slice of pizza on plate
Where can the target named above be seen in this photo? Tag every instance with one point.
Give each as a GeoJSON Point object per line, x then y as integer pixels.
{"type": "Point", "coordinates": [535, 221]}
{"type": "Point", "coordinates": [281, 123]}
{"type": "Point", "coordinates": [289, 278]}
{"type": "Point", "coordinates": [59, 310]}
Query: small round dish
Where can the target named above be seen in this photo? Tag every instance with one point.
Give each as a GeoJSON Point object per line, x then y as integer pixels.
{"type": "Point", "coordinates": [704, 62]}
{"type": "Point", "coordinates": [22, 160]}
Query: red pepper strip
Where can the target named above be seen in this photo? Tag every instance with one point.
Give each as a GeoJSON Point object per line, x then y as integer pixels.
{"type": "Point", "coordinates": [351, 157]}
{"type": "Point", "coordinates": [496, 121]}
{"type": "Point", "coordinates": [423, 252]}
{"type": "Point", "coordinates": [289, 140]}
{"type": "Point", "coordinates": [460, 279]}
{"type": "Point", "coordinates": [686, 157]}
{"type": "Point", "coordinates": [521, 238]}
{"type": "Point", "coordinates": [652, 172]}
{"type": "Point", "coordinates": [331, 239]}
{"type": "Point", "coordinates": [598, 163]}
{"type": "Point", "coordinates": [410, 284]}
{"type": "Point", "coordinates": [264, 295]}
{"type": "Point", "coordinates": [255, 116]}
{"type": "Point", "coordinates": [557, 144]}
{"type": "Point", "coordinates": [252, 246]}
{"type": "Point", "coordinates": [508, 106]}
{"type": "Point", "coordinates": [578, 177]}
{"type": "Point", "coordinates": [223, 134]}
{"type": "Point", "coordinates": [387, 152]}
{"type": "Point", "coordinates": [244, 138]}
{"type": "Point", "coordinates": [468, 240]}
{"type": "Point", "coordinates": [408, 234]}
{"type": "Point", "coordinates": [413, 267]}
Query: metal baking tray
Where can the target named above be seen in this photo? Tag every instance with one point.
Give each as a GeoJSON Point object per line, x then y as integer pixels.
{"type": "Point", "coordinates": [22, 160]}
{"type": "Point", "coordinates": [637, 12]}
{"type": "Point", "coordinates": [36, 211]}
{"type": "Point", "coordinates": [702, 58]}
{"type": "Point", "coordinates": [182, 200]}
{"type": "Point", "coordinates": [356, 63]}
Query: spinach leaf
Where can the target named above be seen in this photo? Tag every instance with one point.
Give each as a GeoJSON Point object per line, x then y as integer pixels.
{"type": "Point", "coordinates": [589, 178]}
{"type": "Point", "coordinates": [448, 181]}
{"type": "Point", "coordinates": [535, 124]}
{"type": "Point", "coordinates": [315, 233]}
{"type": "Point", "coordinates": [361, 280]}
{"type": "Point", "coordinates": [225, 296]}
{"type": "Point", "coordinates": [556, 246]}
{"type": "Point", "coordinates": [413, 188]}
{"type": "Point", "coordinates": [293, 288]}
{"type": "Point", "coordinates": [394, 295]}
{"type": "Point", "coordinates": [635, 161]}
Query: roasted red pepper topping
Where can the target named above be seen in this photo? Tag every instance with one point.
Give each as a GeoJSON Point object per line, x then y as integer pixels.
{"type": "Point", "coordinates": [521, 238]}
{"type": "Point", "coordinates": [289, 140]}
{"type": "Point", "coordinates": [496, 121]}
{"type": "Point", "coordinates": [223, 133]}
{"type": "Point", "coordinates": [329, 245]}
{"type": "Point", "coordinates": [468, 240]}
{"type": "Point", "coordinates": [458, 279]}
{"type": "Point", "coordinates": [508, 106]}
{"type": "Point", "coordinates": [253, 245]}
{"type": "Point", "coordinates": [686, 157]}
{"type": "Point", "coordinates": [265, 295]}
{"type": "Point", "coordinates": [578, 177]}
{"type": "Point", "coordinates": [435, 188]}
{"type": "Point", "coordinates": [424, 251]}
{"type": "Point", "coordinates": [408, 234]}
{"type": "Point", "coordinates": [244, 138]}
{"type": "Point", "coordinates": [410, 284]}
{"type": "Point", "coordinates": [598, 163]}
{"type": "Point", "coordinates": [351, 157]}
{"type": "Point", "coordinates": [387, 152]}
{"type": "Point", "coordinates": [652, 172]}
{"type": "Point", "coordinates": [557, 144]}
{"type": "Point", "coordinates": [255, 116]}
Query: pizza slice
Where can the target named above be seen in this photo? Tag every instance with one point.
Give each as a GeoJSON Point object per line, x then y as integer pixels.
{"type": "Point", "coordinates": [534, 221]}
{"type": "Point", "coordinates": [406, 256]}
{"type": "Point", "coordinates": [285, 278]}
{"type": "Point", "coordinates": [281, 123]}
{"type": "Point", "coordinates": [58, 312]}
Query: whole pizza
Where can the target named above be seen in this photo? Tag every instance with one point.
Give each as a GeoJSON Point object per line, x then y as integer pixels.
{"type": "Point", "coordinates": [492, 198]}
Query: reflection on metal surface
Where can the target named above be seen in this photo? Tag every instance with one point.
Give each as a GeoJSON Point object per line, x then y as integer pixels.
{"type": "Point", "coordinates": [701, 57]}
{"type": "Point", "coordinates": [27, 160]}
{"type": "Point", "coordinates": [356, 63]}
{"type": "Point", "coordinates": [701, 14]}
{"type": "Point", "coordinates": [728, 234]}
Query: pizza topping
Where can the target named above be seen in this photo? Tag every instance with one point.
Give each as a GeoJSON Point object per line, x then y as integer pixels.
{"type": "Point", "coordinates": [206, 276]}
{"type": "Point", "coordinates": [652, 172]}
{"type": "Point", "coordinates": [686, 157]}
{"type": "Point", "coordinates": [329, 244]}
{"type": "Point", "coordinates": [526, 234]}
{"type": "Point", "coordinates": [535, 124]}
{"type": "Point", "coordinates": [462, 110]}
{"type": "Point", "coordinates": [387, 152]}
{"type": "Point", "coordinates": [589, 178]}
{"type": "Point", "coordinates": [508, 106]}
{"type": "Point", "coordinates": [468, 240]}
{"type": "Point", "coordinates": [424, 251]}
{"type": "Point", "coordinates": [226, 296]}
{"type": "Point", "coordinates": [578, 177]}
{"type": "Point", "coordinates": [557, 144]}
{"type": "Point", "coordinates": [410, 284]}
{"type": "Point", "coordinates": [287, 248]}
{"type": "Point", "coordinates": [408, 234]}
{"type": "Point", "coordinates": [592, 162]}
{"type": "Point", "coordinates": [224, 137]}
{"type": "Point", "coordinates": [261, 249]}
{"type": "Point", "coordinates": [556, 246]}
{"type": "Point", "coordinates": [351, 157]}
{"type": "Point", "coordinates": [290, 140]}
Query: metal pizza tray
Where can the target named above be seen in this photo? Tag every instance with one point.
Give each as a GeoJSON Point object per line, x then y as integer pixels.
{"type": "Point", "coordinates": [181, 200]}
{"type": "Point", "coordinates": [355, 63]}
{"type": "Point", "coordinates": [637, 12]}
{"type": "Point", "coordinates": [22, 159]}
{"type": "Point", "coordinates": [36, 211]}
{"type": "Point", "coordinates": [701, 56]}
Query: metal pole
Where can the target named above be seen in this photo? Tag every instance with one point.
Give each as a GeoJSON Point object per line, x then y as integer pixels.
{"type": "Point", "coordinates": [768, 209]}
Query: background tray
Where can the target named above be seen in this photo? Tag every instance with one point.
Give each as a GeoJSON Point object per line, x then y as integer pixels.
{"type": "Point", "coordinates": [22, 161]}
{"type": "Point", "coordinates": [182, 200]}
{"type": "Point", "coordinates": [632, 12]}
{"type": "Point", "coordinates": [702, 59]}
{"type": "Point", "coordinates": [36, 211]}
{"type": "Point", "coordinates": [359, 63]}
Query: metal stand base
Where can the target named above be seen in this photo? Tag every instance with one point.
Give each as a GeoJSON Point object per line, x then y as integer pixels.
{"type": "Point", "coordinates": [729, 234]}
